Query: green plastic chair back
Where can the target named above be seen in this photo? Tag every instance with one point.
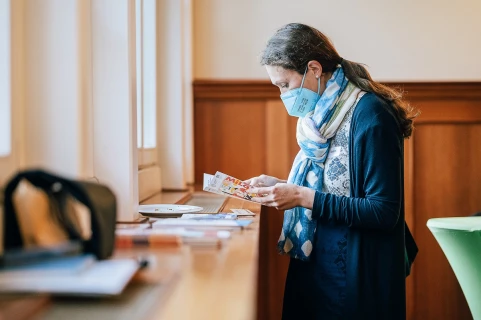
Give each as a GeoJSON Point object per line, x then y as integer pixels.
{"type": "Point", "coordinates": [460, 240]}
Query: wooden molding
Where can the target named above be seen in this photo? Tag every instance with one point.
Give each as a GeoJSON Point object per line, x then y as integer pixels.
{"type": "Point", "coordinates": [466, 91]}
{"type": "Point", "coordinates": [264, 90]}
{"type": "Point", "coordinates": [234, 89]}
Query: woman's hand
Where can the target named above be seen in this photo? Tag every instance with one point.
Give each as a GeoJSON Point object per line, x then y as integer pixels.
{"type": "Point", "coordinates": [283, 196]}
{"type": "Point", "coordinates": [263, 181]}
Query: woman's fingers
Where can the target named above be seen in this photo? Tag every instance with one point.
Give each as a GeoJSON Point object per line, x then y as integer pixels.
{"type": "Point", "coordinates": [266, 201]}
{"type": "Point", "coordinates": [265, 196]}
{"type": "Point", "coordinates": [262, 190]}
{"type": "Point", "coordinates": [269, 202]}
{"type": "Point", "coordinates": [253, 181]}
{"type": "Point", "coordinates": [262, 181]}
{"type": "Point", "coordinates": [282, 196]}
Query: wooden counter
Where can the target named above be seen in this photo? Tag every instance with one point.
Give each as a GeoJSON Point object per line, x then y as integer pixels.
{"type": "Point", "coordinates": [181, 283]}
{"type": "Point", "coordinates": [218, 284]}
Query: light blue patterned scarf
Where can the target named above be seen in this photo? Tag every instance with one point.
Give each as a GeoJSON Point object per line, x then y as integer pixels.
{"type": "Point", "coordinates": [314, 133]}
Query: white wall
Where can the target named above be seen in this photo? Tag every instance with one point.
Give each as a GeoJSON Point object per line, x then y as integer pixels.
{"type": "Point", "coordinates": [113, 102]}
{"type": "Point", "coordinates": [73, 92]}
{"type": "Point", "coordinates": [174, 93]}
{"type": "Point", "coordinates": [53, 112]}
{"type": "Point", "coordinates": [409, 40]}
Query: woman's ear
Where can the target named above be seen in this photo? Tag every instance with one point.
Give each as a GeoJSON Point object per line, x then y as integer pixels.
{"type": "Point", "coordinates": [315, 67]}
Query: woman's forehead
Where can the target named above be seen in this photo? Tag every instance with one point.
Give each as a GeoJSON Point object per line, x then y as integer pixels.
{"type": "Point", "coordinates": [278, 73]}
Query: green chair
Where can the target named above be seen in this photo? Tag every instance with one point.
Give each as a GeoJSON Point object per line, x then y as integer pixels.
{"type": "Point", "coordinates": [460, 240]}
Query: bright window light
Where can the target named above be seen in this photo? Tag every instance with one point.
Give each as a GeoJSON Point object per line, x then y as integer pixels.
{"type": "Point", "coordinates": [146, 71]}
{"type": "Point", "coordinates": [5, 105]}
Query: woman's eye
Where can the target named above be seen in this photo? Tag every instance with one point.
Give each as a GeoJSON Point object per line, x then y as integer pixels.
{"type": "Point", "coordinates": [284, 86]}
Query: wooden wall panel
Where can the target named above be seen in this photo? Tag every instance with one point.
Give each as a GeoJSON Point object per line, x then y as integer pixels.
{"type": "Point", "coordinates": [272, 267]}
{"type": "Point", "coordinates": [229, 137]}
{"type": "Point", "coordinates": [281, 140]}
{"type": "Point", "coordinates": [442, 175]}
{"type": "Point", "coordinates": [408, 217]}
{"type": "Point", "coordinates": [451, 111]}
{"type": "Point", "coordinates": [278, 141]}
{"type": "Point", "coordinates": [447, 183]}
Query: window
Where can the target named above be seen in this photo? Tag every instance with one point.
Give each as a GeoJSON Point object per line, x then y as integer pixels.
{"type": "Point", "coordinates": [146, 82]}
{"type": "Point", "coordinates": [5, 103]}
{"type": "Point", "coordinates": [146, 85]}
{"type": "Point", "coordinates": [7, 152]}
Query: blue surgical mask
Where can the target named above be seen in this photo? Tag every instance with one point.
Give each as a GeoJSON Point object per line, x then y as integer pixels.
{"type": "Point", "coordinates": [300, 101]}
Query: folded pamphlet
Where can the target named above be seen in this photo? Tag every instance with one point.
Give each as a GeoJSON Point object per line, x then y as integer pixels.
{"type": "Point", "coordinates": [221, 183]}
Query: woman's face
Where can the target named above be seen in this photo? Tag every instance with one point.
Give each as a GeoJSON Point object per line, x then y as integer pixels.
{"type": "Point", "coordinates": [286, 79]}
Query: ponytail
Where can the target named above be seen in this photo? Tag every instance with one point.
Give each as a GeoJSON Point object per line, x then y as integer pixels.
{"type": "Point", "coordinates": [403, 111]}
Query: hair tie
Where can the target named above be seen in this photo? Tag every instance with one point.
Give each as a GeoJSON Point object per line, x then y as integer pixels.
{"type": "Point", "coordinates": [341, 61]}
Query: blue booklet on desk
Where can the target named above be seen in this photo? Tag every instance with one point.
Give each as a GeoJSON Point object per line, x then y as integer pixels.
{"type": "Point", "coordinates": [52, 266]}
{"type": "Point", "coordinates": [73, 276]}
{"type": "Point", "coordinates": [28, 256]}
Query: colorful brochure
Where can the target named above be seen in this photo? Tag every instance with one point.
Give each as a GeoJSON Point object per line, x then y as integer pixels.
{"type": "Point", "coordinates": [221, 183]}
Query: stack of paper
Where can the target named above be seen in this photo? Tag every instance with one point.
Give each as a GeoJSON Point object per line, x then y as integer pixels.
{"type": "Point", "coordinates": [202, 224]}
{"type": "Point", "coordinates": [204, 238]}
{"type": "Point", "coordinates": [209, 216]}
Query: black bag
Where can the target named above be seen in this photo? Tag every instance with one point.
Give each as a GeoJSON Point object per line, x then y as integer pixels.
{"type": "Point", "coordinates": [97, 198]}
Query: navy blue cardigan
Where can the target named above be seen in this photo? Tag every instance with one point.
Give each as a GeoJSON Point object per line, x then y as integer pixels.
{"type": "Point", "coordinates": [375, 278]}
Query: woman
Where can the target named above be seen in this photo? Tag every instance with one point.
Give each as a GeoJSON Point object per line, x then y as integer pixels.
{"type": "Point", "coordinates": [344, 221]}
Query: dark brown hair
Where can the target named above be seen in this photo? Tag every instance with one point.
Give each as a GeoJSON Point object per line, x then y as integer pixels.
{"type": "Point", "coordinates": [295, 44]}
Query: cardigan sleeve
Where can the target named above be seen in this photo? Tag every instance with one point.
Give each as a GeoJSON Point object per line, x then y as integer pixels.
{"type": "Point", "coordinates": [377, 150]}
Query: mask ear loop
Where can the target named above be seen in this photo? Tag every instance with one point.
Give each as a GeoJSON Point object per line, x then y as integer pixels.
{"type": "Point", "coordinates": [302, 84]}
{"type": "Point", "coordinates": [318, 82]}
{"type": "Point", "coordinates": [303, 78]}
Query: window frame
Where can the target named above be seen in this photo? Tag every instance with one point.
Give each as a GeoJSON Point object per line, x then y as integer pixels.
{"type": "Point", "coordinates": [9, 159]}
{"type": "Point", "coordinates": [148, 156]}
{"type": "Point", "coordinates": [149, 170]}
